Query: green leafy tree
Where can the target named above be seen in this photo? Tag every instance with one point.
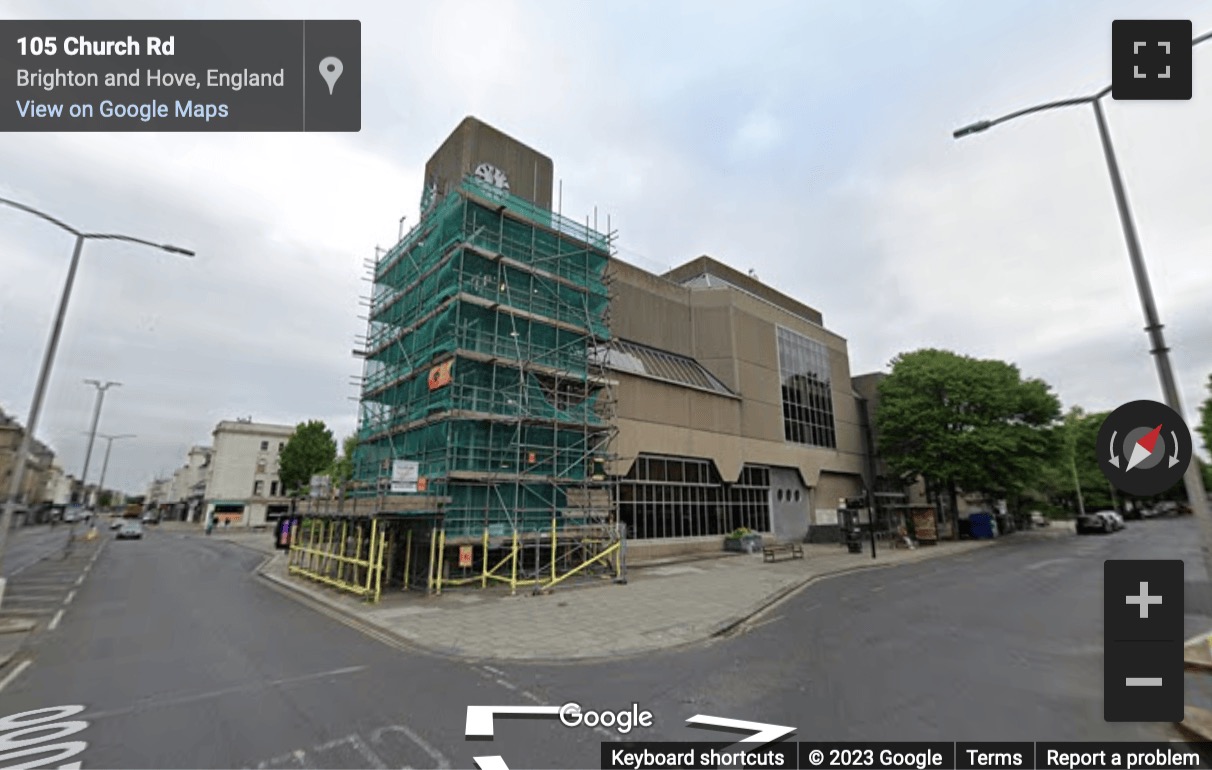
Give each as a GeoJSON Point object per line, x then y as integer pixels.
{"type": "Point", "coordinates": [1057, 484]}
{"type": "Point", "coordinates": [1097, 492]}
{"type": "Point", "coordinates": [309, 451]}
{"type": "Point", "coordinates": [342, 469]}
{"type": "Point", "coordinates": [964, 423]}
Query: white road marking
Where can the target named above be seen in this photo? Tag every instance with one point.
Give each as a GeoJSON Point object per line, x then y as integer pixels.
{"type": "Point", "coordinates": [492, 670]}
{"type": "Point", "coordinates": [1046, 563]}
{"type": "Point", "coordinates": [55, 621]}
{"type": "Point", "coordinates": [359, 745]}
{"type": "Point", "coordinates": [440, 760]}
{"type": "Point", "coordinates": [877, 589]}
{"type": "Point", "coordinates": [70, 595]}
{"type": "Point", "coordinates": [505, 684]}
{"type": "Point", "coordinates": [251, 687]}
{"type": "Point", "coordinates": [375, 751]}
{"type": "Point", "coordinates": [531, 697]}
{"type": "Point", "coordinates": [80, 580]}
{"type": "Point", "coordinates": [16, 672]}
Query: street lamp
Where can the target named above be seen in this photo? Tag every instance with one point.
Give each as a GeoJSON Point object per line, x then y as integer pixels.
{"type": "Point", "coordinates": [48, 357]}
{"type": "Point", "coordinates": [109, 444]}
{"type": "Point", "coordinates": [92, 434]}
{"type": "Point", "coordinates": [1191, 479]}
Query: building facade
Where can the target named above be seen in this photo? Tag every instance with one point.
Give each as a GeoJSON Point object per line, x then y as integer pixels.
{"type": "Point", "coordinates": [530, 379]}
{"type": "Point", "coordinates": [158, 497]}
{"type": "Point", "coordinates": [59, 487]}
{"type": "Point", "coordinates": [37, 466]}
{"type": "Point", "coordinates": [189, 485]}
{"type": "Point", "coordinates": [242, 486]}
{"type": "Point", "coordinates": [734, 407]}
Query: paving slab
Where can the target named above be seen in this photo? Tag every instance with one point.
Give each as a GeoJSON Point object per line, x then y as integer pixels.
{"type": "Point", "coordinates": [659, 608]}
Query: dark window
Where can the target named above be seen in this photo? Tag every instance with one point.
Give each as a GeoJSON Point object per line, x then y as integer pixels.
{"type": "Point", "coordinates": [264, 445]}
{"type": "Point", "coordinates": [666, 497]}
{"type": "Point", "coordinates": [807, 395]}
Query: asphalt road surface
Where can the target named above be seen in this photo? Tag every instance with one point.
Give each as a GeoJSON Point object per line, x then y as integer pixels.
{"type": "Point", "coordinates": [29, 545]}
{"type": "Point", "coordinates": [176, 656]}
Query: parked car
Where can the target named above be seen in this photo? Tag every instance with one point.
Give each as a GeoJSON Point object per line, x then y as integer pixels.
{"type": "Point", "coordinates": [1117, 521]}
{"type": "Point", "coordinates": [116, 524]}
{"type": "Point", "coordinates": [1090, 523]}
{"type": "Point", "coordinates": [131, 530]}
{"type": "Point", "coordinates": [1039, 520]}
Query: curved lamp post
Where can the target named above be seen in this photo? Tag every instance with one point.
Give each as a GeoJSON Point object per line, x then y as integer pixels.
{"type": "Point", "coordinates": [48, 358]}
{"type": "Point", "coordinates": [1196, 494]}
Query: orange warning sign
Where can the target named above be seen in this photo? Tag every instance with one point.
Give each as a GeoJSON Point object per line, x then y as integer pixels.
{"type": "Point", "coordinates": [422, 484]}
{"type": "Point", "coordinates": [439, 376]}
{"type": "Point", "coordinates": [465, 555]}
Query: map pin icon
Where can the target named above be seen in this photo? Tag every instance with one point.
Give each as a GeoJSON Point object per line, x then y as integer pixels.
{"type": "Point", "coordinates": [330, 70]}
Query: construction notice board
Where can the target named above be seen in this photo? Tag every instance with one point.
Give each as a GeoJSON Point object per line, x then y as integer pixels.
{"type": "Point", "coordinates": [404, 475]}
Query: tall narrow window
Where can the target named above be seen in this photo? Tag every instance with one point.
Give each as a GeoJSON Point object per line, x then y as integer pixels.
{"type": "Point", "coordinates": [807, 390]}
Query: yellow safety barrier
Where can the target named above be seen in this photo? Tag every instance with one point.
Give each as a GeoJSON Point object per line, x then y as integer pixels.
{"type": "Point", "coordinates": [321, 559]}
{"type": "Point", "coordinates": [583, 551]}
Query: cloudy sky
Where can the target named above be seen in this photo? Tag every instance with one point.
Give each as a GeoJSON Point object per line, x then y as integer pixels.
{"type": "Point", "coordinates": [808, 141]}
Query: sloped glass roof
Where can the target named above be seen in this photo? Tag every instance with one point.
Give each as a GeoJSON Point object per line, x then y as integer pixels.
{"type": "Point", "coordinates": [633, 358]}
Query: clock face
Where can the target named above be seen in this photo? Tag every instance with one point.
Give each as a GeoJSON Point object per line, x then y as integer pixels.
{"type": "Point", "coordinates": [493, 176]}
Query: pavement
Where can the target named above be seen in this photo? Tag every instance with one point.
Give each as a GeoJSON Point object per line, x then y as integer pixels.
{"type": "Point", "coordinates": [177, 655]}
{"type": "Point", "coordinates": [661, 607]}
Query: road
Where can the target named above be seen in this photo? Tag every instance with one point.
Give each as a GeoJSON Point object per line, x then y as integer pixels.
{"type": "Point", "coordinates": [29, 545]}
{"type": "Point", "coordinates": [180, 657]}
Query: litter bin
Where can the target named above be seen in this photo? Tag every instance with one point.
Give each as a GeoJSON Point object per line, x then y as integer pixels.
{"type": "Point", "coordinates": [854, 539]}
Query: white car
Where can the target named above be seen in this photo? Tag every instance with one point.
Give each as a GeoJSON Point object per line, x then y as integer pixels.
{"type": "Point", "coordinates": [1117, 521]}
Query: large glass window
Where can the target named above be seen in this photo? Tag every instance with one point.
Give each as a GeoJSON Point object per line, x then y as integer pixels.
{"type": "Point", "coordinates": [807, 390]}
{"type": "Point", "coordinates": [672, 497]}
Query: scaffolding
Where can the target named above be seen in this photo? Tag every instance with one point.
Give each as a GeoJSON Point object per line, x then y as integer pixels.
{"type": "Point", "coordinates": [483, 370]}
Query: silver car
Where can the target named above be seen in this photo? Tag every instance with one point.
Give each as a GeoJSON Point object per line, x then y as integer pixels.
{"type": "Point", "coordinates": [1117, 521]}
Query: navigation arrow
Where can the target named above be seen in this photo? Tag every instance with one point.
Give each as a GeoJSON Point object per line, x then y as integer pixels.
{"type": "Point", "coordinates": [479, 718]}
{"type": "Point", "coordinates": [1114, 457]}
{"type": "Point", "coordinates": [762, 732]}
{"type": "Point", "coordinates": [480, 725]}
{"type": "Point", "coordinates": [1174, 458]}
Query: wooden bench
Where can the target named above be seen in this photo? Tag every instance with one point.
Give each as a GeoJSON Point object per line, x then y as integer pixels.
{"type": "Point", "coordinates": [773, 551]}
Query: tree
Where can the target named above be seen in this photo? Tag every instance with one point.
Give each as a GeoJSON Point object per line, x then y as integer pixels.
{"type": "Point", "coordinates": [342, 470]}
{"type": "Point", "coordinates": [1096, 490]}
{"type": "Point", "coordinates": [311, 449]}
{"type": "Point", "coordinates": [963, 423]}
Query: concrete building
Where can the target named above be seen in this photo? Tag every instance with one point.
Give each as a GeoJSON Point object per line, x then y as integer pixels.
{"type": "Point", "coordinates": [735, 407]}
{"type": "Point", "coordinates": [37, 466]}
{"type": "Point", "coordinates": [157, 497]}
{"type": "Point", "coordinates": [242, 485]}
{"type": "Point", "coordinates": [521, 381]}
{"type": "Point", "coordinates": [58, 487]}
{"type": "Point", "coordinates": [189, 485]}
